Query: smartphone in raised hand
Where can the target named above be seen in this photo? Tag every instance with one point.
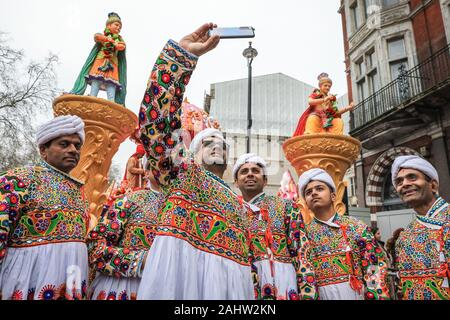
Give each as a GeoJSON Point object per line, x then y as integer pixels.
{"type": "Point", "coordinates": [233, 33]}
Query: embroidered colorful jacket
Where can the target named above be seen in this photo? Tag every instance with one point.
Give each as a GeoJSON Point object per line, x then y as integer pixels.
{"type": "Point", "coordinates": [423, 255]}
{"type": "Point", "coordinates": [125, 232]}
{"type": "Point", "coordinates": [40, 205]}
{"type": "Point", "coordinates": [287, 240]}
{"type": "Point", "coordinates": [346, 251]}
{"type": "Point", "coordinates": [200, 208]}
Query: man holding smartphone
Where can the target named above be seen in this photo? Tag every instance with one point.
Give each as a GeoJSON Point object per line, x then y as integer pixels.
{"type": "Point", "coordinates": [203, 248]}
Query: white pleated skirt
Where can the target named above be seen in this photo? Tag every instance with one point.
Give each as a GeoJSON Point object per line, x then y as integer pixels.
{"type": "Point", "coordinates": [175, 270]}
{"type": "Point", "coordinates": [285, 279]}
{"type": "Point", "coordinates": [281, 283]}
{"type": "Point", "coordinates": [106, 287]}
{"type": "Point", "coordinates": [45, 272]}
{"type": "Point", "coordinates": [340, 291]}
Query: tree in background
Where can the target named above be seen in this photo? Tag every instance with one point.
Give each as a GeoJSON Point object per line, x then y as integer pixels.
{"type": "Point", "coordinates": [26, 90]}
{"type": "Point", "coordinates": [115, 173]}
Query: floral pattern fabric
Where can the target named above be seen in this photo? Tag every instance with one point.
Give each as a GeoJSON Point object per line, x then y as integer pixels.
{"type": "Point", "coordinates": [43, 225]}
{"type": "Point", "coordinates": [346, 251]}
{"type": "Point", "coordinates": [51, 292]}
{"type": "Point", "coordinates": [125, 232]}
{"type": "Point", "coordinates": [40, 205]}
{"type": "Point", "coordinates": [423, 255]}
{"type": "Point", "coordinates": [288, 241]}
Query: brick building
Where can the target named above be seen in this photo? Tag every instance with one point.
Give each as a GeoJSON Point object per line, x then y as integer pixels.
{"type": "Point", "coordinates": [398, 72]}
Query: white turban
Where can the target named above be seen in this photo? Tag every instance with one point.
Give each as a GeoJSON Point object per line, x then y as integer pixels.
{"type": "Point", "coordinates": [199, 137]}
{"type": "Point", "coordinates": [58, 127]}
{"type": "Point", "coordinates": [315, 175]}
{"type": "Point", "coordinates": [413, 162]}
{"type": "Point", "coordinates": [249, 158]}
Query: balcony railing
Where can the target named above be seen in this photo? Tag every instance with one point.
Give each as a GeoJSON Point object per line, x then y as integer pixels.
{"type": "Point", "coordinates": [410, 85]}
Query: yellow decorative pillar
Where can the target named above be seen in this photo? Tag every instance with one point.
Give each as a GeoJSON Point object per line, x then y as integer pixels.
{"type": "Point", "coordinates": [333, 153]}
{"type": "Point", "coordinates": [107, 125]}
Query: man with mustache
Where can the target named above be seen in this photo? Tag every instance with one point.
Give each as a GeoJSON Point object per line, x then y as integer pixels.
{"type": "Point", "coordinates": [282, 226]}
{"type": "Point", "coordinates": [423, 247]}
{"type": "Point", "coordinates": [203, 245]}
{"type": "Point", "coordinates": [348, 263]}
{"type": "Point", "coordinates": [44, 220]}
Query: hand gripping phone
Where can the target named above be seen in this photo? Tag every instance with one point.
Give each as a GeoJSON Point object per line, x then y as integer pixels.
{"type": "Point", "coordinates": [233, 33]}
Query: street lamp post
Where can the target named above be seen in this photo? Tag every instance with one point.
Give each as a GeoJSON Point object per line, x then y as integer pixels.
{"type": "Point", "coordinates": [249, 53]}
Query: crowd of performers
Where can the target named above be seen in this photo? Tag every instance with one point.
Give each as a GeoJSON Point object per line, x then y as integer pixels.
{"type": "Point", "coordinates": [192, 237]}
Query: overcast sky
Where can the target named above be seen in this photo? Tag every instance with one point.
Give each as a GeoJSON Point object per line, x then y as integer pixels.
{"type": "Point", "coordinates": [296, 37]}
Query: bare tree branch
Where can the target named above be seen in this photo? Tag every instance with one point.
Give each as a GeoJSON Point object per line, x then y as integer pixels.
{"type": "Point", "coordinates": [26, 90]}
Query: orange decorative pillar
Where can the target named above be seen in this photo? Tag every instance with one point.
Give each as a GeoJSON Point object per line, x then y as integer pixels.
{"type": "Point", "coordinates": [332, 153]}
{"type": "Point", "coordinates": [107, 125]}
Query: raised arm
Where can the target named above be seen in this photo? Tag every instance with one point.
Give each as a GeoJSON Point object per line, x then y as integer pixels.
{"type": "Point", "coordinates": [350, 107]}
{"type": "Point", "coordinates": [105, 253]}
{"type": "Point", "coordinates": [160, 112]}
{"type": "Point", "coordinates": [13, 193]}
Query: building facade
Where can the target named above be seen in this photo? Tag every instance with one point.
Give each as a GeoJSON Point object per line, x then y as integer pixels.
{"type": "Point", "coordinates": [398, 73]}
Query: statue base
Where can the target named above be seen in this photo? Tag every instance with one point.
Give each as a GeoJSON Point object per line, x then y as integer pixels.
{"type": "Point", "coordinates": [333, 153]}
{"type": "Point", "coordinates": [107, 125]}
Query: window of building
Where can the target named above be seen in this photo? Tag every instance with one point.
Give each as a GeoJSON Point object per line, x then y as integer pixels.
{"type": "Point", "coordinates": [396, 48]}
{"type": "Point", "coordinates": [369, 6]}
{"type": "Point", "coordinates": [397, 56]}
{"type": "Point", "coordinates": [374, 84]}
{"type": "Point", "coordinates": [367, 79]}
{"type": "Point", "coordinates": [366, 4]}
{"type": "Point", "coordinates": [371, 60]}
{"type": "Point", "coordinates": [360, 68]}
{"type": "Point", "coordinates": [389, 3]}
{"type": "Point", "coordinates": [395, 68]}
{"type": "Point", "coordinates": [372, 74]}
{"type": "Point", "coordinates": [355, 17]}
{"type": "Point", "coordinates": [362, 89]}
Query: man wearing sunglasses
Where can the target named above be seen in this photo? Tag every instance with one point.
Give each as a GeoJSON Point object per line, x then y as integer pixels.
{"type": "Point", "coordinates": [423, 248]}
{"type": "Point", "coordinates": [202, 248]}
{"type": "Point", "coordinates": [211, 150]}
